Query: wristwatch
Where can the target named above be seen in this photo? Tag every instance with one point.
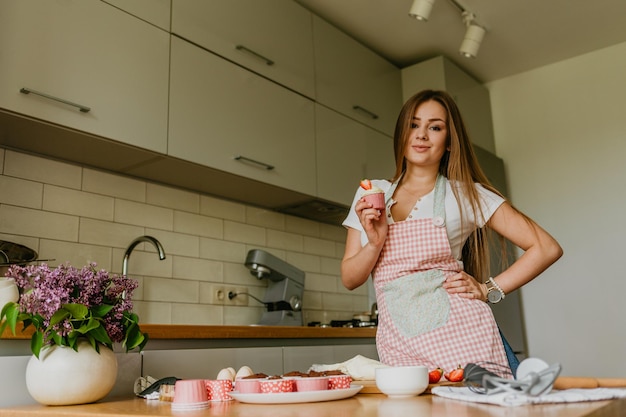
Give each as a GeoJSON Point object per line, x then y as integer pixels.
{"type": "Point", "coordinates": [494, 292]}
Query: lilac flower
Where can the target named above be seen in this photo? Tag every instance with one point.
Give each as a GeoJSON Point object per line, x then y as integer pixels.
{"type": "Point", "coordinates": [66, 303]}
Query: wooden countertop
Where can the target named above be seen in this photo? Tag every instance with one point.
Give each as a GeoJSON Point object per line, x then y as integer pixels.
{"type": "Point", "coordinates": [362, 405]}
{"type": "Point", "coordinates": [173, 331]}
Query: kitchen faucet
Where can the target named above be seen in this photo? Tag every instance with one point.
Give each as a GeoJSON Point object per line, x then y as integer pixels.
{"type": "Point", "coordinates": [134, 243]}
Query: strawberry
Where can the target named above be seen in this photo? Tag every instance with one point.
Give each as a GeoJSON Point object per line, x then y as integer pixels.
{"type": "Point", "coordinates": [455, 375]}
{"type": "Point", "coordinates": [366, 184]}
{"type": "Point", "coordinates": [435, 375]}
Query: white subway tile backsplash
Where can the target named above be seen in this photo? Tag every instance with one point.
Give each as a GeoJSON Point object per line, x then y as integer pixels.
{"type": "Point", "coordinates": [75, 253]}
{"type": "Point", "coordinates": [222, 209]}
{"type": "Point", "coordinates": [19, 192]}
{"type": "Point", "coordinates": [198, 269]}
{"type": "Point", "coordinates": [77, 203]}
{"type": "Point", "coordinates": [302, 226]}
{"type": "Point", "coordinates": [169, 197]}
{"type": "Point", "coordinates": [303, 261]}
{"type": "Point", "coordinates": [170, 290]}
{"type": "Point", "coordinates": [331, 266]}
{"type": "Point", "coordinates": [265, 218]}
{"type": "Point", "coordinates": [79, 214]}
{"type": "Point", "coordinates": [113, 185]}
{"type": "Point", "coordinates": [98, 232]}
{"type": "Point", "coordinates": [37, 223]}
{"type": "Point", "coordinates": [284, 240]}
{"type": "Point", "coordinates": [320, 282]}
{"type": "Point", "coordinates": [153, 312]}
{"type": "Point", "coordinates": [240, 232]}
{"type": "Point", "coordinates": [176, 243]}
{"type": "Point", "coordinates": [222, 250]}
{"type": "Point", "coordinates": [140, 214]}
{"type": "Point", "coordinates": [334, 233]}
{"type": "Point", "coordinates": [197, 314]}
{"type": "Point", "coordinates": [195, 224]}
{"type": "Point", "coordinates": [319, 246]}
{"type": "Point", "coordinates": [46, 171]}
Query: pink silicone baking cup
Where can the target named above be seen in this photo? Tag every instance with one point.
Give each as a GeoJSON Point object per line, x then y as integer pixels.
{"type": "Point", "coordinates": [275, 386]}
{"type": "Point", "coordinates": [376, 199]}
{"type": "Point", "coordinates": [219, 389]}
{"type": "Point", "coordinates": [339, 381]}
{"type": "Point", "coordinates": [248, 386]}
{"type": "Point", "coordinates": [312, 384]}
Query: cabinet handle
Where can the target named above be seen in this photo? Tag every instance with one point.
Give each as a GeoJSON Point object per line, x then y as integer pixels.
{"type": "Point", "coordinates": [364, 110]}
{"type": "Point", "coordinates": [82, 108]}
{"type": "Point", "coordinates": [254, 161]}
{"type": "Point", "coordinates": [251, 52]}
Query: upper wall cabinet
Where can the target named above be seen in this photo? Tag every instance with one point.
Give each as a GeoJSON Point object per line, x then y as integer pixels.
{"type": "Point", "coordinates": [271, 38]}
{"type": "Point", "coordinates": [156, 12]}
{"type": "Point", "coordinates": [226, 117]}
{"type": "Point", "coordinates": [354, 80]}
{"type": "Point", "coordinates": [86, 65]}
{"type": "Point", "coordinates": [348, 151]}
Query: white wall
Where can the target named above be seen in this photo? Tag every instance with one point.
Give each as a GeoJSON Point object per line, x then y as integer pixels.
{"type": "Point", "coordinates": [561, 130]}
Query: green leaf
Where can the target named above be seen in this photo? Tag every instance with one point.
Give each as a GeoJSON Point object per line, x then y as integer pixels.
{"type": "Point", "coordinates": [78, 311]}
{"type": "Point", "coordinates": [101, 310]}
{"type": "Point", "coordinates": [36, 342]}
{"type": "Point", "coordinates": [58, 316]}
{"type": "Point", "coordinates": [11, 312]}
{"type": "Point", "coordinates": [101, 336]}
{"type": "Point", "coordinates": [90, 325]}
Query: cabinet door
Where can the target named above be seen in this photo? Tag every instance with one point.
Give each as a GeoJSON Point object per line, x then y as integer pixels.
{"type": "Point", "coordinates": [348, 151]}
{"type": "Point", "coordinates": [354, 80]}
{"type": "Point", "coordinates": [219, 111]}
{"type": "Point", "coordinates": [156, 12]}
{"type": "Point", "coordinates": [89, 53]}
{"type": "Point", "coordinates": [272, 38]}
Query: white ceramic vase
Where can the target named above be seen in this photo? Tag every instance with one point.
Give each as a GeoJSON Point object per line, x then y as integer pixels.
{"type": "Point", "coordinates": [62, 376]}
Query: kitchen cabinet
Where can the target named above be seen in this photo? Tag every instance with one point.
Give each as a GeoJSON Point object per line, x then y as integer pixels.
{"type": "Point", "coordinates": [226, 117]}
{"type": "Point", "coordinates": [271, 38]}
{"type": "Point", "coordinates": [156, 12]}
{"type": "Point", "coordinates": [109, 68]}
{"type": "Point", "coordinates": [348, 151]}
{"type": "Point", "coordinates": [354, 80]}
{"type": "Point", "coordinates": [301, 358]}
{"type": "Point", "coordinates": [471, 96]}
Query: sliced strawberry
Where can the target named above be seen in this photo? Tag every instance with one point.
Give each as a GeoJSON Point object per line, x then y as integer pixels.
{"type": "Point", "coordinates": [435, 375]}
{"type": "Point", "coordinates": [366, 184]}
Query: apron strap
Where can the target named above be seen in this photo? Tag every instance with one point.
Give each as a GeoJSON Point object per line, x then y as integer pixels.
{"type": "Point", "coordinates": [439, 208]}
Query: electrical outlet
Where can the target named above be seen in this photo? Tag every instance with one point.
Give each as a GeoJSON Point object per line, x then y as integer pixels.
{"type": "Point", "coordinates": [241, 299]}
{"type": "Point", "coordinates": [218, 294]}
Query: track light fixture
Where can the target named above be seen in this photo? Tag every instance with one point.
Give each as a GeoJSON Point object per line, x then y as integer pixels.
{"type": "Point", "coordinates": [473, 36]}
{"type": "Point", "coordinates": [420, 9]}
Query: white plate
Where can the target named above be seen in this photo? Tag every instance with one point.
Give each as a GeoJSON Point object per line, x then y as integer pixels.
{"type": "Point", "coordinates": [297, 397]}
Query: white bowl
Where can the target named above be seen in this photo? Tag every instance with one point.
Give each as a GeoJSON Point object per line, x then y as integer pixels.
{"type": "Point", "coordinates": [402, 381]}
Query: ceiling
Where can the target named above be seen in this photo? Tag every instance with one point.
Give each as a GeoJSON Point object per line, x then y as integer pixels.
{"type": "Point", "coordinates": [521, 34]}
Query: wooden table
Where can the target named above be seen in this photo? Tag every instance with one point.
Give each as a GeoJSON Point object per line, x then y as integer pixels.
{"type": "Point", "coordinates": [361, 405]}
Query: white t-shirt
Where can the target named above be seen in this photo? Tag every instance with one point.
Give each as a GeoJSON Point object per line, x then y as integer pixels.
{"type": "Point", "coordinates": [489, 203]}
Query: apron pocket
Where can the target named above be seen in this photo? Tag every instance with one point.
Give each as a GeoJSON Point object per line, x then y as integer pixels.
{"type": "Point", "coordinates": [417, 303]}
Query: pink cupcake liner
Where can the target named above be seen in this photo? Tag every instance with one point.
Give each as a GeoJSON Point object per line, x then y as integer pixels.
{"type": "Point", "coordinates": [339, 381]}
{"type": "Point", "coordinates": [219, 389]}
{"type": "Point", "coordinates": [275, 386]}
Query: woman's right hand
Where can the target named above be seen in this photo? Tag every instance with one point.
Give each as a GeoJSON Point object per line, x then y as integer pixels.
{"type": "Point", "coordinates": [373, 221]}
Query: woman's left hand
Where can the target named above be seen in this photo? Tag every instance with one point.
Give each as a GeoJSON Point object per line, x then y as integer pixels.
{"type": "Point", "coordinates": [465, 286]}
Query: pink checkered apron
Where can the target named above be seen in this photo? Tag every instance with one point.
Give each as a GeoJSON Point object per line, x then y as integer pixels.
{"type": "Point", "coordinates": [419, 323]}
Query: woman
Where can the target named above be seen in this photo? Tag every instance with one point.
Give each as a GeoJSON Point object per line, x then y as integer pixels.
{"type": "Point", "coordinates": [427, 251]}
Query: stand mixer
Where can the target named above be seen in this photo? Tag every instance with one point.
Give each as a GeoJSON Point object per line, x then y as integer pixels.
{"type": "Point", "coordinates": [283, 297]}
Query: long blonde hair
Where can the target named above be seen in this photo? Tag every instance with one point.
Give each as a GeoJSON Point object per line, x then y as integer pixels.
{"type": "Point", "coordinates": [460, 166]}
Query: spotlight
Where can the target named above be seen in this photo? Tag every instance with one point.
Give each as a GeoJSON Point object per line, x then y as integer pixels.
{"type": "Point", "coordinates": [421, 9]}
{"type": "Point", "coordinates": [473, 36]}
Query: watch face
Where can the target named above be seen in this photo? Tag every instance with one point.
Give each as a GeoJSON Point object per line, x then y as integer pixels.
{"type": "Point", "coordinates": [494, 296]}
